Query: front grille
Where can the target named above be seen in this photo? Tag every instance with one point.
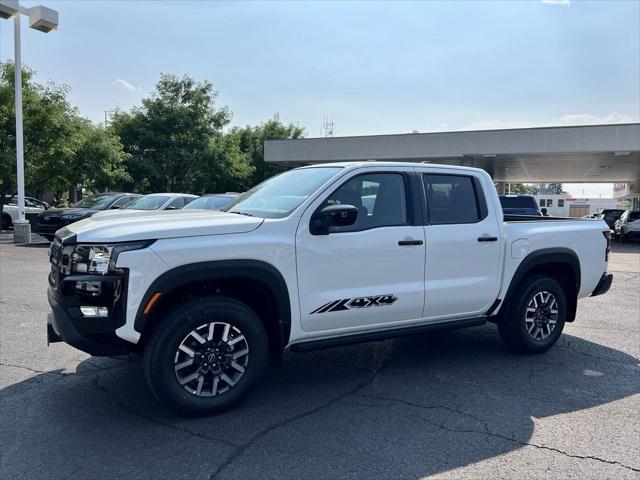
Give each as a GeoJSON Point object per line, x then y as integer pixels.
{"type": "Point", "coordinates": [51, 220]}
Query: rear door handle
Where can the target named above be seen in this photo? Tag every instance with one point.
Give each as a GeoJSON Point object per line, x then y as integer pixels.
{"type": "Point", "coordinates": [487, 239]}
{"type": "Point", "coordinates": [409, 242]}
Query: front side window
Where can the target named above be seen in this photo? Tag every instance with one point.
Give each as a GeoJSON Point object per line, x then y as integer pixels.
{"type": "Point", "coordinates": [212, 202]}
{"type": "Point", "coordinates": [279, 196]}
{"type": "Point", "coordinates": [122, 202]}
{"type": "Point", "coordinates": [96, 202]}
{"type": "Point", "coordinates": [177, 204]}
{"type": "Point", "coordinates": [379, 197]}
{"type": "Point", "coordinates": [149, 202]}
{"type": "Point", "coordinates": [451, 199]}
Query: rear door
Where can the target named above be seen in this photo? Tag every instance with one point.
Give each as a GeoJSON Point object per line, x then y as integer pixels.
{"type": "Point", "coordinates": [464, 246]}
{"type": "Point", "coordinates": [370, 273]}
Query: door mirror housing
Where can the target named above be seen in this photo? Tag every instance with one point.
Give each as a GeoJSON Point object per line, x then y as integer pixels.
{"type": "Point", "coordinates": [333, 216]}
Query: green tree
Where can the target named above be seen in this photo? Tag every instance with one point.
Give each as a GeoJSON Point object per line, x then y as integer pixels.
{"type": "Point", "coordinates": [547, 189]}
{"type": "Point", "coordinates": [175, 139]}
{"type": "Point", "coordinates": [251, 142]}
{"type": "Point", "coordinates": [518, 189]}
{"type": "Point", "coordinates": [61, 149]}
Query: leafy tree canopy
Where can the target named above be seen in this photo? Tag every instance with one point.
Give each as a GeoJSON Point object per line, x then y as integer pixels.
{"type": "Point", "coordinates": [61, 149]}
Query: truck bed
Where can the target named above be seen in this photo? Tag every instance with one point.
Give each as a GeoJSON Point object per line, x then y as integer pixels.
{"type": "Point", "coordinates": [532, 218]}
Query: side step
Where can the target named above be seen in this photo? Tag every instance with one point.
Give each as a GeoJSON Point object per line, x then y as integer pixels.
{"type": "Point", "coordinates": [385, 334]}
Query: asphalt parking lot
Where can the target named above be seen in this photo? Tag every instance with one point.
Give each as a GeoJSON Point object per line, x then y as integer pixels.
{"type": "Point", "coordinates": [441, 405]}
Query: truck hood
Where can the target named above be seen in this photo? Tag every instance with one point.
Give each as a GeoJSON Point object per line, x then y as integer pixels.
{"type": "Point", "coordinates": [125, 227]}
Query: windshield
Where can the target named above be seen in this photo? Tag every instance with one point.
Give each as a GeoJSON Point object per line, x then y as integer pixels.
{"type": "Point", "coordinates": [149, 202]}
{"type": "Point", "coordinates": [282, 194]}
{"type": "Point", "coordinates": [96, 202]}
{"type": "Point", "coordinates": [213, 202]}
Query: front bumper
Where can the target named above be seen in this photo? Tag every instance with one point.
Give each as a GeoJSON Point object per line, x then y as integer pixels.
{"type": "Point", "coordinates": [603, 285]}
{"type": "Point", "coordinates": [93, 335]}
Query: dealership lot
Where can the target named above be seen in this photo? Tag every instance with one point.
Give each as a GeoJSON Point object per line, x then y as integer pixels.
{"type": "Point", "coordinates": [448, 405]}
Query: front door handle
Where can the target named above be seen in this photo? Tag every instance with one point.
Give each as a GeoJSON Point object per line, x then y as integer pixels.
{"type": "Point", "coordinates": [487, 239]}
{"type": "Point", "coordinates": [409, 242]}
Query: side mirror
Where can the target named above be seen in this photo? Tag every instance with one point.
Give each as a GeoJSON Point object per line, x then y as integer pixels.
{"type": "Point", "coordinates": [171, 207]}
{"type": "Point", "coordinates": [115, 207]}
{"type": "Point", "coordinates": [333, 216]}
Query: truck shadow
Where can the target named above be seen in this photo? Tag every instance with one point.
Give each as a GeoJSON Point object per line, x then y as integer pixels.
{"type": "Point", "coordinates": [404, 408]}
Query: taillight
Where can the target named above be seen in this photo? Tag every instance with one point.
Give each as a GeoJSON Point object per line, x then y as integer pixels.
{"type": "Point", "coordinates": [607, 235]}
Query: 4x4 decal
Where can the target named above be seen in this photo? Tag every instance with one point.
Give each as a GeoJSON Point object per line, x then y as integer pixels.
{"type": "Point", "coordinates": [360, 302]}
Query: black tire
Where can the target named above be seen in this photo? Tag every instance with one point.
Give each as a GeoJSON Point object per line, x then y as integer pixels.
{"type": "Point", "coordinates": [513, 327]}
{"type": "Point", "coordinates": [6, 221]}
{"type": "Point", "coordinates": [160, 352]}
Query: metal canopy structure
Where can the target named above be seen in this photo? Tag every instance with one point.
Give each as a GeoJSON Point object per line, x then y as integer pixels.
{"type": "Point", "coordinates": [593, 153]}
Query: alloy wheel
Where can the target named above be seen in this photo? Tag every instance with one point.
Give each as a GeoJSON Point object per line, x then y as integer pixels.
{"type": "Point", "coordinates": [211, 359]}
{"type": "Point", "coordinates": [541, 315]}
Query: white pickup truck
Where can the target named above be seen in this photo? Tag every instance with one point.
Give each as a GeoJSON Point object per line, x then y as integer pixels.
{"type": "Point", "coordinates": [316, 257]}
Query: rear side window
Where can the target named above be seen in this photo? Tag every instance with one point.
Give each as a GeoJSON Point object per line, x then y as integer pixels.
{"type": "Point", "coordinates": [453, 199]}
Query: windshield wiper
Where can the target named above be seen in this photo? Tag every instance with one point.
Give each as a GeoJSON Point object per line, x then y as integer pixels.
{"type": "Point", "coordinates": [241, 213]}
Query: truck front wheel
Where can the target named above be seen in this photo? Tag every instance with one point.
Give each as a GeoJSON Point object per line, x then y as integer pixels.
{"type": "Point", "coordinates": [536, 315]}
{"type": "Point", "coordinates": [205, 354]}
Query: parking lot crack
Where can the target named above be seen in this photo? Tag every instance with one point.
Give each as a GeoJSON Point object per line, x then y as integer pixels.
{"type": "Point", "coordinates": [29, 369]}
{"type": "Point", "coordinates": [487, 432]}
{"type": "Point", "coordinates": [569, 346]}
{"type": "Point", "coordinates": [253, 440]}
{"type": "Point", "coordinates": [156, 421]}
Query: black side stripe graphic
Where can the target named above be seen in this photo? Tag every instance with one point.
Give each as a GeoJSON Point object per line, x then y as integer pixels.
{"type": "Point", "coordinates": [352, 303]}
{"type": "Point", "coordinates": [325, 307]}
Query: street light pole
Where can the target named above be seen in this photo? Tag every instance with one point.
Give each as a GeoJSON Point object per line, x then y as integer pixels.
{"type": "Point", "coordinates": [43, 19]}
{"type": "Point", "coordinates": [19, 224]}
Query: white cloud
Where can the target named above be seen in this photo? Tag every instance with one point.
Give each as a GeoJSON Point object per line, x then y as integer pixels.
{"type": "Point", "coordinates": [587, 119]}
{"type": "Point", "coordinates": [126, 85]}
{"type": "Point", "coordinates": [568, 119]}
{"type": "Point", "coordinates": [557, 2]}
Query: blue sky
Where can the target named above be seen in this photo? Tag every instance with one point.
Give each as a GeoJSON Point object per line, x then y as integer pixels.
{"type": "Point", "coordinates": [375, 67]}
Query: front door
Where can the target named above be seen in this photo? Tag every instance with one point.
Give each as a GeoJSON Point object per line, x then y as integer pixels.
{"type": "Point", "coordinates": [369, 273]}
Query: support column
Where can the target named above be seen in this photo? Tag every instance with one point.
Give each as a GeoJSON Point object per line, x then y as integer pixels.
{"type": "Point", "coordinates": [501, 187]}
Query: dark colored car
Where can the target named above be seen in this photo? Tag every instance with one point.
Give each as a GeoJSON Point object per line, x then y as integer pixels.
{"type": "Point", "coordinates": [610, 215]}
{"type": "Point", "coordinates": [55, 218]}
{"type": "Point", "coordinates": [519, 205]}
{"type": "Point", "coordinates": [213, 201]}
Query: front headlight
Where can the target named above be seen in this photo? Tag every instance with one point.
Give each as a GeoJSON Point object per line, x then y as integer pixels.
{"type": "Point", "coordinates": [99, 259]}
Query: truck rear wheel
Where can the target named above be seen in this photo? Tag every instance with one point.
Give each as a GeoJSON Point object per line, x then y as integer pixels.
{"type": "Point", "coordinates": [205, 354]}
{"type": "Point", "coordinates": [535, 317]}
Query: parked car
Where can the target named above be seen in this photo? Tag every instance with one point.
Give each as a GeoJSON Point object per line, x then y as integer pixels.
{"type": "Point", "coordinates": [32, 206]}
{"type": "Point", "coordinates": [627, 226]}
{"type": "Point", "coordinates": [519, 205]}
{"type": "Point", "coordinates": [299, 262]}
{"type": "Point", "coordinates": [55, 218]}
{"type": "Point", "coordinates": [610, 215]}
{"type": "Point", "coordinates": [151, 203]}
{"type": "Point", "coordinates": [212, 201]}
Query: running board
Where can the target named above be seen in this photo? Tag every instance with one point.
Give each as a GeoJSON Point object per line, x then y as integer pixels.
{"type": "Point", "coordinates": [385, 334]}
